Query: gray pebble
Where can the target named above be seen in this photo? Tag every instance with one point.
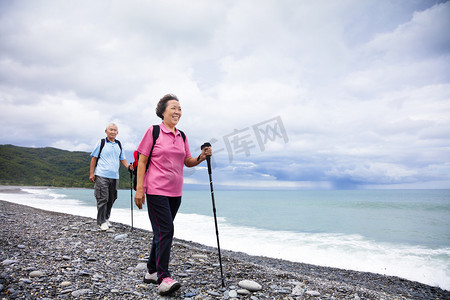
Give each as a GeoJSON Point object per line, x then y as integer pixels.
{"type": "Point", "coordinates": [26, 280]}
{"type": "Point", "coordinates": [121, 237]}
{"type": "Point", "coordinates": [81, 292]}
{"type": "Point", "coordinates": [213, 293]}
{"type": "Point", "coordinates": [298, 291]}
{"type": "Point", "coordinates": [66, 283]}
{"type": "Point", "coordinates": [250, 285]}
{"type": "Point", "coordinates": [84, 273]}
{"type": "Point", "coordinates": [284, 291]}
{"type": "Point", "coordinates": [36, 274]}
{"type": "Point", "coordinates": [8, 262]}
{"type": "Point", "coordinates": [243, 292]}
{"type": "Point", "coordinates": [313, 293]}
{"type": "Point", "coordinates": [143, 286]}
{"type": "Point", "coordinates": [141, 267]}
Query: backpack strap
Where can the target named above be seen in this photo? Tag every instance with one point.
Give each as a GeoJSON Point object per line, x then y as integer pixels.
{"type": "Point", "coordinates": [102, 144]}
{"type": "Point", "coordinates": [182, 135]}
{"type": "Point", "coordinates": [155, 134]}
{"type": "Point", "coordinates": [120, 146]}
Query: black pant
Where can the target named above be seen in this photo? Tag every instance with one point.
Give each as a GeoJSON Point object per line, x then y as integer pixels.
{"type": "Point", "coordinates": [105, 190]}
{"type": "Point", "coordinates": [161, 211]}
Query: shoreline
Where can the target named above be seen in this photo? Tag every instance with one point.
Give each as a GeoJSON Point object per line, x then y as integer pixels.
{"type": "Point", "coordinates": [77, 260]}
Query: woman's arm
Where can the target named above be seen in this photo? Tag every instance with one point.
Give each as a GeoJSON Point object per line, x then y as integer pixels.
{"type": "Point", "coordinates": [139, 198]}
{"type": "Point", "coordinates": [192, 162]}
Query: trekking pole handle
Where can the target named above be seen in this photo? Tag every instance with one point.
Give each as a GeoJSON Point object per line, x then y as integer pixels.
{"type": "Point", "coordinates": [208, 157]}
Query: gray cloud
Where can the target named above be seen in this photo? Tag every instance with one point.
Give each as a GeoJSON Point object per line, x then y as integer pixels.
{"type": "Point", "coordinates": [362, 88]}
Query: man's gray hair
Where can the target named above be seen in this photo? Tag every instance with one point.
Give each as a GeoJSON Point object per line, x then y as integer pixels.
{"type": "Point", "coordinates": [112, 124]}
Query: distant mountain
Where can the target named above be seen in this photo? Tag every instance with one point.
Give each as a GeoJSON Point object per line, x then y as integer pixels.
{"type": "Point", "coordinates": [48, 167]}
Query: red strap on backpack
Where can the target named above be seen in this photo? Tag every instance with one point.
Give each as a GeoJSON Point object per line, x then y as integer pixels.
{"type": "Point", "coordinates": [136, 157]}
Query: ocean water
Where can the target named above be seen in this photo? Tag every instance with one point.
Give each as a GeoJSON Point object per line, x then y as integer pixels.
{"type": "Point", "coordinates": [403, 233]}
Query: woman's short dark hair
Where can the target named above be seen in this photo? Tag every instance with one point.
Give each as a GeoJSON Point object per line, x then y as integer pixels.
{"type": "Point", "coordinates": [162, 104]}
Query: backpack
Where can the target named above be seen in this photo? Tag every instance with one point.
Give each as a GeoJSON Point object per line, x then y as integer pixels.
{"type": "Point", "coordinates": [155, 135]}
{"type": "Point", "coordinates": [102, 144]}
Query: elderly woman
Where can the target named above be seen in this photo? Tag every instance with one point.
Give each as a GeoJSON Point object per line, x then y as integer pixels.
{"type": "Point", "coordinates": [162, 185]}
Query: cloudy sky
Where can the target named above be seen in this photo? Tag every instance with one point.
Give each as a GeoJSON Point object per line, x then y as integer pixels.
{"type": "Point", "coordinates": [292, 94]}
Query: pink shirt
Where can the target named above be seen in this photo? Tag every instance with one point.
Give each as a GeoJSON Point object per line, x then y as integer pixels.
{"type": "Point", "coordinates": [165, 172]}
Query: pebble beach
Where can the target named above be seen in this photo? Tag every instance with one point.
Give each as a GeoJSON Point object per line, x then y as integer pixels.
{"type": "Point", "coordinates": [49, 255]}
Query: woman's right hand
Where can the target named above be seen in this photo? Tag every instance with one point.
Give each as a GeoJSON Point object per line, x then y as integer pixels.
{"type": "Point", "coordinates": [139, 199]}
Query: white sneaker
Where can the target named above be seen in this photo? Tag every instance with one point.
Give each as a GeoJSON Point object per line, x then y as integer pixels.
{"type": "Point", "coordinates": [109, 223]}
{"type": "Point", "coordinates": [151, 278]}
{"type": "Point", "coordinates": [104, 226]}
{"type": "Point", "coordinates": [168, 286]}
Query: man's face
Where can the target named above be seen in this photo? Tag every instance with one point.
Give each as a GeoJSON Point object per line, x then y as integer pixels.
{"type": "Point", "coordinates": [111, 132]}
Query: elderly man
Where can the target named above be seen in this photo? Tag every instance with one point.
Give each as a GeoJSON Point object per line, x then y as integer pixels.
{"type": "Point", "coordinates": [104, 171]}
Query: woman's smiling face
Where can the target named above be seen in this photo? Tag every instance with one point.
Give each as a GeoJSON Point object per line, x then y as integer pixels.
{"type": "Point", "coordinates": [172, 114]}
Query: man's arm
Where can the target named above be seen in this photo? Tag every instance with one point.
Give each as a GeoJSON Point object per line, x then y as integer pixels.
{"type": "Point", "coordinates": [126, 165]}
{"type": "Point", "coordinates": [92, 169]}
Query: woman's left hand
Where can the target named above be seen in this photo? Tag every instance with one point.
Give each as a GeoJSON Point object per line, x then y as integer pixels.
{"type": "Point", "coordinates": [207, 151]}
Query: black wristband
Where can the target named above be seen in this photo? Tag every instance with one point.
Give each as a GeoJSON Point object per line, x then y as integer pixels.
{"type": "Point", "coordinates": [198, 158]}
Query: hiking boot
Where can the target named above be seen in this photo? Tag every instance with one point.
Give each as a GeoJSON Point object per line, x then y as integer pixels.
{"type": "Point", "coordinates": [104, 226]}
{"type": "Point", "coordinates": [151, 278]}
{"type": "Point", "coordinates": [168, 286]}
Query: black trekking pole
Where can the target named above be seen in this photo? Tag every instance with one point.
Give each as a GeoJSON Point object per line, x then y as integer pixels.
{"type": "Point", "coordinates": [131, 191]}
{"type": "Point", "coordinates": [208, 160]}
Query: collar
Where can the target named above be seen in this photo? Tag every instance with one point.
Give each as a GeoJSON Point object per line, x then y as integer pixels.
{"type": "Point", "coordinates": [167, 130]}
{"type": "Point", "coordinates": [108, 141]}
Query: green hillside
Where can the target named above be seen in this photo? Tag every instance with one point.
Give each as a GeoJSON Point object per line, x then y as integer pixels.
{"type": "Point", "coordinates": [48, 167]}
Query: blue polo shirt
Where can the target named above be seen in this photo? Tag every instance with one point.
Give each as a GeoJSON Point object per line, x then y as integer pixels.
{"type": "Point", "coordinates": [109, 162]}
